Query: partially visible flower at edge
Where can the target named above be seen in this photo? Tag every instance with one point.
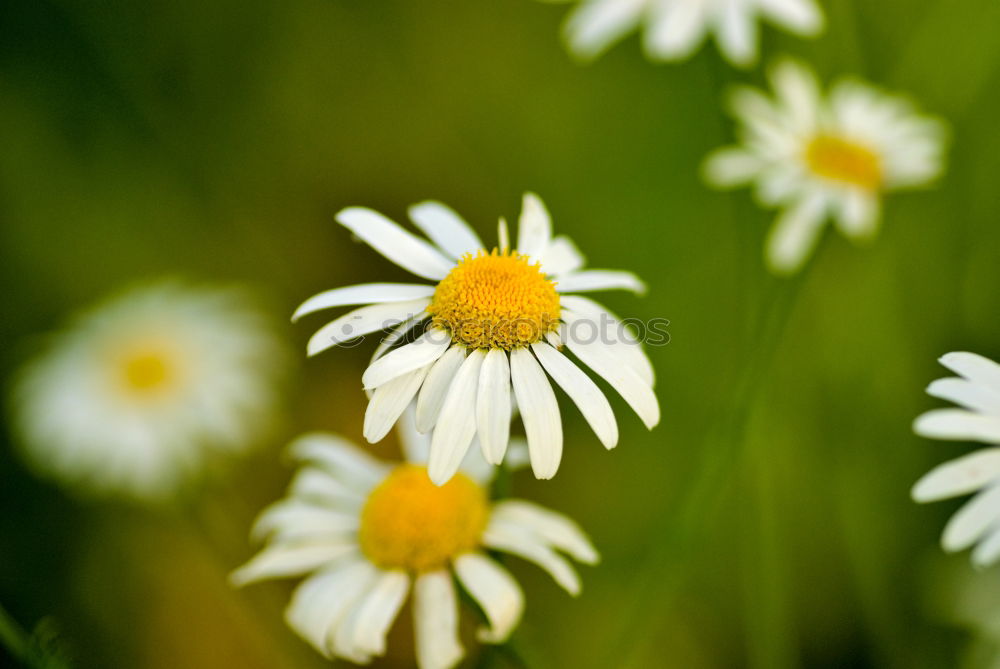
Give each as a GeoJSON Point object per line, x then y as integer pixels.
{"type": "Point", "coordinates": [142, 392]}
{"type": "Point", "coordinates": [365, 533]}
{"type": "Point", "coordinates": [674, 29]}
{"type": "Point", "coordinates": [977, 391]}
{"type": "Point", "coordinates": [816, 155]}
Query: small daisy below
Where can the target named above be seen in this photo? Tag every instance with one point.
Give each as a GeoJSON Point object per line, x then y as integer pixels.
{"type": "Point", "coordinates": [366, 534]}
{"type": "Point", "coordinates": [977, 391]}
{"type": "Point", "coordinates": [495, 324]}
{"type": "Point", "coordinates": [816, 156]}
{"type": "Point", "coordinates": [675, 29]}
{"type": "Point", "coordinates": [141, 392]}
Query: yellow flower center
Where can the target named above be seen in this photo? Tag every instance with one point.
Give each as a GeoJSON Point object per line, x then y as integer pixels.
{"type": "Point", "coordinates": [410, 523]}
{"type": "Point", "coordinates": [845, 161]}
{"type": "Point", "coordinates": [146, 370]}
{"type": "Point", "coordinates": [496, 300]}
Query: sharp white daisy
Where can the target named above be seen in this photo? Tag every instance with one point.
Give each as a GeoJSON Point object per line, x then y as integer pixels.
{"type": "Point", "coordinates": [977, 391]}
{"type": "Point", "coordinates": [367, 534]}
{"type": "Point", "coordinates": [498, 320]}
{"type": "Point", "coordinates": [675, 29]}
{"type": "Point", "coordinates": [144, 390]}
{"type": "Point", "coordinates": [815, 155]}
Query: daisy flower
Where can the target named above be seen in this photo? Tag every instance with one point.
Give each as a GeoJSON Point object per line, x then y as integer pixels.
{"type": "Point", "coordinates": [814, 155]}
{"type": "Point", "coordinates": [977, 391]}
{"type": "Point", "coordinates": [141, 391]}
{"type": "Point", "coordinates": [496, 320]}
{"type": "Point", "coordinates": [674, 29]}
{"type": "Point", "coordinates": [366, 534]}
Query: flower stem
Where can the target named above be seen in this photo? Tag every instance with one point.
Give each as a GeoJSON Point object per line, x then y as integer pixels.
{"type": "Point", "coordinates": [13, 636]}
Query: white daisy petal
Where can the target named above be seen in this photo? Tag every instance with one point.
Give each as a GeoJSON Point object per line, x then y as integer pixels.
{"type": "Point", "coordinates": [363, 321]}
{"type": "Point", "coordinates": [435, 621]}
{"type": "Point", "coordinates": [389, 239]}
{"type": "Point", "coordinates": [416, 446]}
{"type": "Point", "coordinates": [496, 592]}
{"type": "Point", "coordinates": [368, 293]}
{"type": "Point", "coordinates": [445, 228]}
{"type": "Point", "coordinates": [972, 521]}
{"type": "Point", "coordinates": [493, 410]}
{"type": "Point", "coordinates": [389, 401]}
{"type": "Point", "coordinates": [959, 477]}
{"type": "Point", "coordinates": [503, 235]}
{"type": "Point", "coordinates": [430, 346]}
{"type": "Point", "coordinates": [633, 389]}
{"type": "Point", "coordinates": [795, 234]}
{"type": "Point", "coordinates": [435, 387]}
{"type": "Point", "coordinates": [398, 333]}
{"type": "Point", "coordinates": [988, 550]}
{"type": "Point", "coordinates": [534, 228]}
{"type": "Point", "coordinates": [295, 519]}
{"type": "Point", "coordinates": [456, 425]}
{"type": "Point", "coordinates": [959, 425]}
{"type": "Point", "coordinates": [730, 167]}
{"type": "Point", "coordinates": [583, 391]}
{"type": "Point", "coordinates": [801, 16]}
{"type": "Point", "coordinates": [540, 413]}
{"type": "Point", "coordinates": [675, 29]}
{"type": "Point", "coordinates": [312, 484]}
{"type": "Point", "coordinates": [596, 24]}
{"type": "Point", "coordinates": [622, 340]}
{"type": "Point", "coordinates": [323, 600]}
{"type": "Point", "coordinates": [974, 367]}
{"type": "Point", "coordinates": [364, 632]}
{"type": "Point", "coordinates": [971, 395]}
{"type": "Point", "coordinates": [339, 457]}
{"type": "Point", "coordinates": [561, 257]}
{"type": "Point", "coordinates": [859, 215]}
{"type": "Point", "coordinates": [595, 279]}
{"type": "Point", "coordinates": [554, 528]}
{"type": "Point", "coordinates": [284, 561]}
{"type": "Point", "coordinates": [797, 88]}
{"type": "Point", "coordinates": [515, 540]}
{"type": "Point", "coordinates": [737, 32]}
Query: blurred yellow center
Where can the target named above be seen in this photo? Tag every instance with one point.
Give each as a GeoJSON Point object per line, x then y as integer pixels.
{"type": "Point", "coordinates": [410, 523]}
{"type": "Point", "coordinates": [146, 370]}
{"type": "Point", "coordinates": [843, 160]}
{"type": "Point", "coordinates": [496, 300]}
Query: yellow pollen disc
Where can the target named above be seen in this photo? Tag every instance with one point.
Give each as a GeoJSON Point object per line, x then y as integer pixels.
{"type": "Point", "coordinates": [145, 371]}
{"type": "Point", "coordinates": [845, 161]}
{"type": "Point", "coordinates": [410, 523]}
{"type": "Point", "coordinates": [496, 300]}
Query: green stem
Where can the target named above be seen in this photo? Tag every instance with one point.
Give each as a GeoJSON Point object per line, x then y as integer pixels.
{"type": "Point", "coordinates": [12, 636]}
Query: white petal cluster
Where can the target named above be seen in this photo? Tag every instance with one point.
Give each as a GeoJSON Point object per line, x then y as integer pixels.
{"type": "Point", "coordinates": [977, 392]}
{"type": "Point", "coordinates": [144, 391]}
{"type": "Point", "coordinates": [674, 29]}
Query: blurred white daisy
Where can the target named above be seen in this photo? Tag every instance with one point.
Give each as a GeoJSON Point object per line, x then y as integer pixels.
{"type": "Point", "coordinates": [498, 320]}
{"type": "Point", "coordinates": [675, 29]}
{"type": "Point", "coordinates": [977, 391]}
{"type": "Point", "coordinates": [140, 392]}
{"type": "Point", "coordinates": [365, 533]}
{"type": "Point", "coordinates": [814, 155]}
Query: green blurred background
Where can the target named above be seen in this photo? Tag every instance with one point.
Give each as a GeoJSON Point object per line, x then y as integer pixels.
{"type": "Point", "coordinates": [766, 523]}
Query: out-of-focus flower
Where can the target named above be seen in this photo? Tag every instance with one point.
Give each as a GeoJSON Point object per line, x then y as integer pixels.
{"type": "Point", "coordinates": [816, 155]}
{"type": "Point", "coordinates": [142, 391]}
{"type": "Point", "coordinates": [977, 390]}
{"type": "Point", "coordinates": [498, 320]}
{"type": "Point", "coordinates": [674, 29]}
{"type": "Point", "coordinates": [365, 532]}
